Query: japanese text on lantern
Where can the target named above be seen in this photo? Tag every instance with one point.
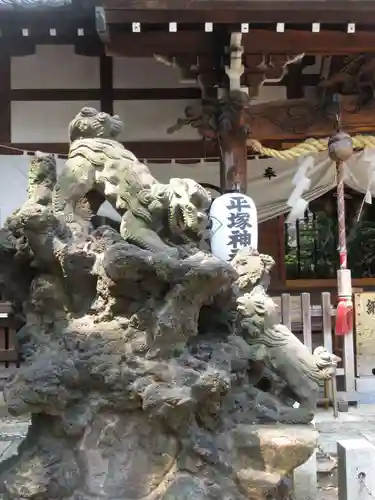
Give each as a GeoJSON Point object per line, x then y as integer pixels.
{"type": "Point", "coordinates": [239, 223]}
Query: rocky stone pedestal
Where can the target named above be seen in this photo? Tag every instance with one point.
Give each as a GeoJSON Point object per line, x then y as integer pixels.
{"type": "Point", "coordinates": [125, 457]}
{"type": "Point", "coordinates": [153, 370]}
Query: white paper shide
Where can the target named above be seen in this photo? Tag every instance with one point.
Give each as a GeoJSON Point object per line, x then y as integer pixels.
{"type": "Point", "coordinates": [234, 225]}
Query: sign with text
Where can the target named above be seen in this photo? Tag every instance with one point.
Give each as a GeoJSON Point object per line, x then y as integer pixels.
{"type": "Point", "coordinates": [365, 332]}
{"type": "Point", "coordinates": [234, 225]}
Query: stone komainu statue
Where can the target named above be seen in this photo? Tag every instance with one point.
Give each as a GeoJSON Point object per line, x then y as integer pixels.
{"type": "Point", "coordinates": [98, 163]}
{"type": "Point", "coordinates": [93, 143]}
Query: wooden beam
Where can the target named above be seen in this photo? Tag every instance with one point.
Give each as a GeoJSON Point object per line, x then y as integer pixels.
{"type": "Point", "coordinates": [55, 94]}
{"type": "Point", "coordinates": [160, 42]}
{"type": "Point", "coordinates": [101, 24]}
{"type": "Point", "coordinates": [18, 46]}
{"type": "Point", "coordinates": [326, 283]}
{"type": "Point", "coordinates": [251, 6]}
{"type": "Point", "coordinates": [257, 41]}
{"type": "Point", "coordinates": [258, 11]}
{"type": "Point", "coordinates": [5, 100]}
{"type": "Point", "coordinates": [97, 94]}
{"type": "Point", "coordinates": [326, 42]}
{"type": "Point", "coordinates": [106, 84]}
{"type": "Point", "coordinates": [152, 94]}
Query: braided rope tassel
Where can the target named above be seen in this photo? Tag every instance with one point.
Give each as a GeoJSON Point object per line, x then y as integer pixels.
{"type": "Point", "coordinates": [344, 312]}
{"type": "Point", "coordinates": [341, 216]}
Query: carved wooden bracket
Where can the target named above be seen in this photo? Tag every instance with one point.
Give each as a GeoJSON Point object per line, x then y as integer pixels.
{"type": "Point", "coordinates": [258, 69]}
{"type": "Point", "coordinates": [226, 118]}
{"type": "Point", "coordinates": [355, 75]}
{"type": "Point", "coordinates": [293, 119]}
{"type": "Point", "coordinates": [267, 68]}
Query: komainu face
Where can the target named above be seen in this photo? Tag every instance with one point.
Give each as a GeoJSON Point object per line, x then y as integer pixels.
{"type": "Point", "coordinates": [251, 267]}
{"type": "Point", "coordinates": [43, 168]}
{"type": "Point", "coordinates": [189, 203]}
{"type": "Point", "coordinates": [90, 123]}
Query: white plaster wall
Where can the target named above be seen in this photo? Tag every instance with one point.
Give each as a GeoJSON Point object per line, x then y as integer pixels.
{"type": "Point", "coordinates": [47, 121]}
{"type": "Point", "coordinates": [58, 67]}
{"type": "Point", "coordinates": [270, 93]}
{"type": "Point", "coordinates": [44, 121]}
{"type": "Point", "coordinates": [149, 120]}
{"type": "Point", "coordinates": [201, 172]}
{"type": "Point", "coordinates": [146, 73]}
{"type": "Point", "coordinates": [55, 67]}
{"type": "Point", "coordinates": [145, 120]}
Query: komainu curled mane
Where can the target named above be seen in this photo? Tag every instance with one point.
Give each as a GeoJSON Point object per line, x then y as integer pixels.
{"type": "Point", "coordinates": [98, 163]}
{"type": "Point", "coordinates": [93, 142]}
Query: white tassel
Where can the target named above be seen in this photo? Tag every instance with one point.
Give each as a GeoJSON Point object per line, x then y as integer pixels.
{"type": "Point", "coordinates": [298, 211]}
{"type": "Point", "coordinates": [303, 169]}
{"type": "Point", "coordinates": [302, 183]}
{"type": "Point", "coordinates": [302, 186]}
{"type": "Point", "coordinates": [369, 156]}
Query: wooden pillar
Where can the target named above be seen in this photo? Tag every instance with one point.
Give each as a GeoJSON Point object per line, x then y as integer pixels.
{"type": "Point", "coordinates": [235, 161]}
{"type": "Point", "coordinates": [5, 99]}
{"type": "Point", "coordinates": [106, 84]}
{"type": "Point", "coordinates": [271, 241]}
{"type": "Point", "coordinates": [233, 134]}
{"type": "Point", "coordinates": [233, 174]}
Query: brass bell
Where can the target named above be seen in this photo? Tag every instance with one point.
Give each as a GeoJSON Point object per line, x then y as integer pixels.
{"type": "Point", "coordinates": [340, 147]}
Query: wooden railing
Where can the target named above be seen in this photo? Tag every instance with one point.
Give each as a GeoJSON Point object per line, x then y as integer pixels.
{"type": "Point", "coordinates": [314, 325]}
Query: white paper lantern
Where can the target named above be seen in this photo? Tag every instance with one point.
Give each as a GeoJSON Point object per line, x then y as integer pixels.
{"type": "Point", "coordinates": [234, 225]}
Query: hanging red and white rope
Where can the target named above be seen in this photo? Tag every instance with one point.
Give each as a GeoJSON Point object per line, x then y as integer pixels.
{"type": "Point", "coordinates": [340, 148]}
{"type": "Point", "coordinates": [344, 313]}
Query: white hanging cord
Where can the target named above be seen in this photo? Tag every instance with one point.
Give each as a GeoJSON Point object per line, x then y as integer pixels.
{"type": "Point", "coordinates": [301, 183]}
{"type": "Point", "coordinates": [369, 157]}
{"type": "Point", "coordinates": [11, 148]}
{"type": "Point", "coordinates": [150, 160]}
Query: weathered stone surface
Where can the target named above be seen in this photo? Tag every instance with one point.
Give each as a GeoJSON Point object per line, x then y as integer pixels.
{"type": "Point", "coordinates": [148, 373]}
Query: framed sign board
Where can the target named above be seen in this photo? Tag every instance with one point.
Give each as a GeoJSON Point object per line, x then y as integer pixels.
{"type": "Point", "coordinates": [365, 333]}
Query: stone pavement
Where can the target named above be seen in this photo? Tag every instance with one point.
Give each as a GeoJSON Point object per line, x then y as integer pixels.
{"type": "Point", "coordinates": [357, 423]}
{"type": "Point", "coordinates": [12, 432]}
